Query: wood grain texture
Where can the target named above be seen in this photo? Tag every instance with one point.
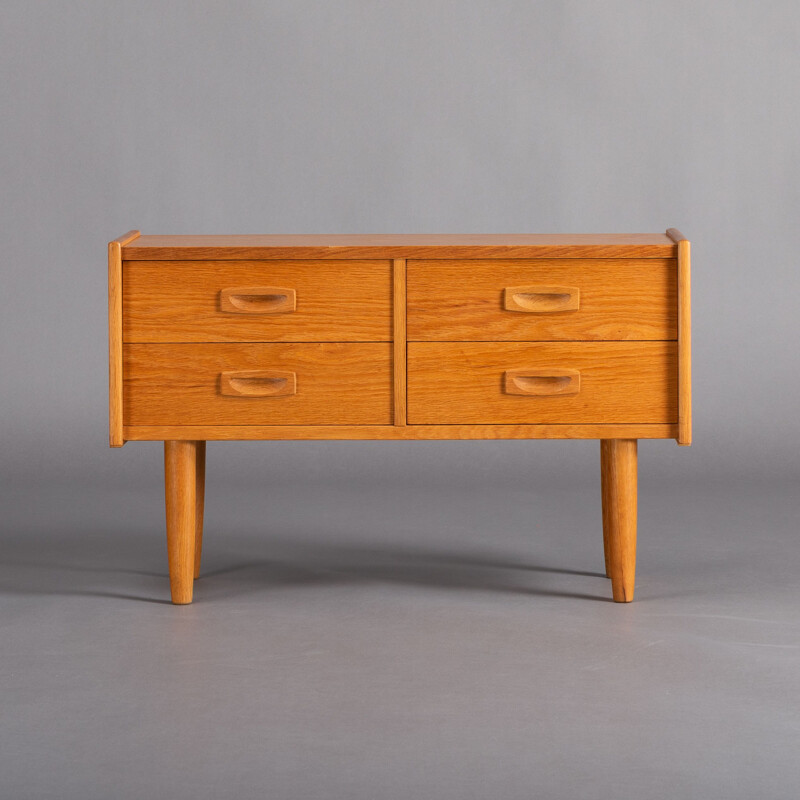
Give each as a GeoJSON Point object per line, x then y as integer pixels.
{"type": "Point", "coordinates": [605, 488]}
{"type": "Point", "coordinates": [399, 341]}
{"type": "Point", "coordinates": [200, 501]}
{"type": "Point", "coordinates": [337, 384]}
{"type": "Point", "coordinates": [621, 382]}
{"type": "Point", "coordinates": [115, 421]}
{"type": "Point", "coordinates": [230, 433]}
{"type": "Point", "coordinates": [684, 337]}
{"type": "Point", "coordinates": [324, 246]}
{"type": "Point", "coordinates": [619, 514]}
{"type": "Point", "coordinates": [180, 301]}
{"type": "Point", "coordinates": [620, 299]}
{"type": "Point", "coordinates": [180, 484]}
{"type": "Point", "coordinates": [399, 338]}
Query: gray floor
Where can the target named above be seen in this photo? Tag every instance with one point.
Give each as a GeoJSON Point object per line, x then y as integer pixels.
{"type": "Point", "coordinates": [432, 639]}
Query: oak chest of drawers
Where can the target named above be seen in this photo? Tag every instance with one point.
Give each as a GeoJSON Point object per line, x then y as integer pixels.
{"type": "Point", "coordinates": [399, 337]}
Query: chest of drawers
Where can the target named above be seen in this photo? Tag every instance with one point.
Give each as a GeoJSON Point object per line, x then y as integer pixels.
{"type": "Point", "coordinates": [399, 337]}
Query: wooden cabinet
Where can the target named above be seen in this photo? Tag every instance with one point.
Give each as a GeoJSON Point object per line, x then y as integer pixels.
{"type": "Point", "coordinates": [399, 337]}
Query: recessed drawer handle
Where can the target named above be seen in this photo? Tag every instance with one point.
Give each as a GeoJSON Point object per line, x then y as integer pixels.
{"type": "Point", "coordinates": [542, 383]}
{"type": "Point", "coordinates": [542, 299]}
{"type": "Point", "coordinates": [257, 300]}
{"type": "Point", "coordinates": [258, 383]}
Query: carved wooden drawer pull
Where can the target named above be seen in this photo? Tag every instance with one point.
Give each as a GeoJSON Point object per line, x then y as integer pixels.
{"type": "Point", "coordinates": [541, 299]}
{"type": "Point", "coordinates": [542, 383]}
{"type": "Point", "coordinates": [257, 300]}
{"type": "Point", "coordinates": [258, 383]}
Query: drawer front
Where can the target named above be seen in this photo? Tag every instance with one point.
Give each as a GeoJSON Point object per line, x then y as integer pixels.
{"type": "Point", "coordinates": [542, 299]}
{"type": "Point", "coordinates": [252, 301]}
{"type": "Point", "coordinates": [257, 384]}
{"type": "Point", "coordinates": [532, 383]}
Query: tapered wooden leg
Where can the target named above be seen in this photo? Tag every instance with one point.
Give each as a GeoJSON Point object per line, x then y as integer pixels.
{"type": "Point", "coordinates": [180, 476]}
{"type": "Point", "coordinates": [200, 496]}
{"type": "Point", "coordinates": [619, 468]}
{"type": "Point", "coordinates": [605, 447]}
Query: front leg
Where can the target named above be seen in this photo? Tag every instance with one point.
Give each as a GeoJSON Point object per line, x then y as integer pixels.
{"type": "Point", "coordinates": [200, 483]}
{"type": "Point", "coordinates": [180, 482]}
{"type": "Point", "coordinates": [619, 478]}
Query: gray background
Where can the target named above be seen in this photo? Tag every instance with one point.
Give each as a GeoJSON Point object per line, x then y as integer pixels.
{"type": "Point", "coordinates": [399, 619]}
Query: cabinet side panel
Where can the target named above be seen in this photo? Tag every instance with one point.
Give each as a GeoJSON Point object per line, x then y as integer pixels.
{"type": "Point", "coordinates": [115, 432]}
{"type": "Point", "coordinates": [684, 344]}
{"type": "Point", "coordinates": [399, 341]}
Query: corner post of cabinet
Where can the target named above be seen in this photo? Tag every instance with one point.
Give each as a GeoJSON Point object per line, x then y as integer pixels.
{"type": "Point", "coordinates": [399, 348]}
{"type": "Point", "coordinates": [115, 422]}
{"type": "Point", "coordinates": [684, 337]}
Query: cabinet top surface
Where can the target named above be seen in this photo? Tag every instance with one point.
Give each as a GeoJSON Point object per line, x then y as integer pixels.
{"type": "Point", "coordinates": [498, 245]}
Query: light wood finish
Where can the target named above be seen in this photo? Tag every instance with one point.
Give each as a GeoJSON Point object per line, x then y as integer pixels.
{"type": "Point", "coordinates": [324, 246]}
{"type": "Point", "coordinates": [399, 338]}
{"type": "Point", "coordinates": [336, 301]}
{"type": "Point", "coordinates": [399, 341]}
{"type": "Point", "coordinates": [605, 446]}
{"type": "Point", "coordinates": [180, 480]}
{"type": "Point", "coordinates": [684, 337]}
{"type": "Point", "coordinates": [149, 433]}
{"type": "Point", "coordinates": [541, 299]}
{"type": "Point", "coordinates": [115, 421]}
{"type": "Point", "coordinates": [258, 383]}
{"type": "Point", "coordinates": [684, 345]}
{"type": "Point", "coordinates": [542, 382]}
{"type": "Point", "coordinates": [619, 515]}
{"type": "Point", "coordinates": [337, 384]}
{"type": "Point", "coordinates": [462, 382]}
{"type": "Point", "coordinates": [460, 300]}
{"type": "Point", "coordinates": [200, 498]}
{"type": "Point", "coordinates": [257, 300]}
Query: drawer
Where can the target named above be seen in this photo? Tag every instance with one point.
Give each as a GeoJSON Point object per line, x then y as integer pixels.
{"type": "Point", "coordinates": [533, 383]}
{"type": "Point", "coordinates": [257, 384]}
{"type": "Point", "coordinates": [542, 299]}
{"type": "Point", "coordinates": [252, 301]}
